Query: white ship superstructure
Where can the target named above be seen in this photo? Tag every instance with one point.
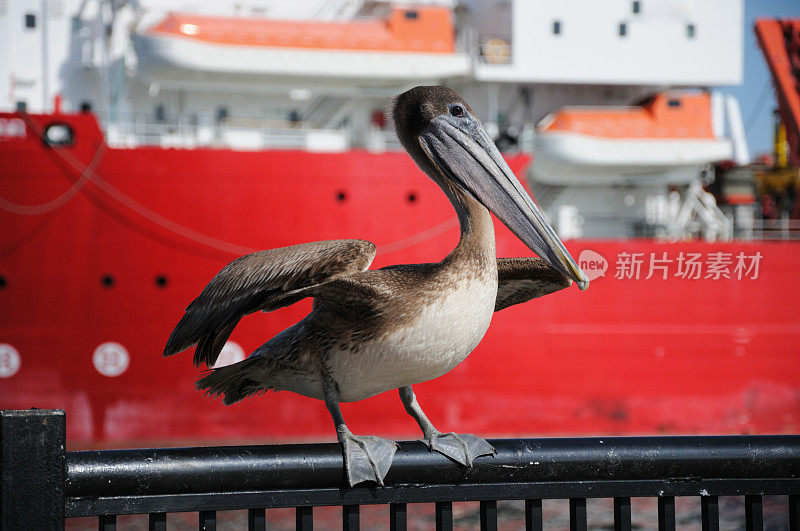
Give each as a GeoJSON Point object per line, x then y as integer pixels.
{"type": "Point", "coordinates": [612, 98]}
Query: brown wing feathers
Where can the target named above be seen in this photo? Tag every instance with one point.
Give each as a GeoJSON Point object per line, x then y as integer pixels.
{"type": "Point", "coordinates": [266, 280]}
{"type": "Point", "coordinates": [523, 279]}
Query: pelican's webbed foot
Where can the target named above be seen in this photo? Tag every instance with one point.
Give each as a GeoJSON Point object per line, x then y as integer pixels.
{"type": "Point", "coordinates": [462, 448]}
{"type": "Point", "coordinates": [366, 457]}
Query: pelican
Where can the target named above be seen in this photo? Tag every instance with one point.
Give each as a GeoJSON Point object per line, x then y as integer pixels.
{"type": "Point", "coordinates": [371, 331]}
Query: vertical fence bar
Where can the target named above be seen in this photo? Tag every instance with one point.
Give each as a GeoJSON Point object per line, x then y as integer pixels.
{"type": "Point", "coordinates": [488, 515]}
{"type": "Point", "coordinates": [577, 514]}
{"type": "Point", "coordinates": [709, 513]}
{"type": "Point", "coordinates": [666, 513]}
{"type": "Point", "coordinates": [304, 520]}
{"type": "Point", "coordinates": [107, 522]}
{"type": "Point", "coordinates": [398, 520]}
{"type": "Point", "coordinates": [533, 515]}
{"type": "Point", "coordinates": [794, 512]}
{"type": "Point", "coordinates": [157, 522]}
{"type": "Point", "coordinates": [32, 459]}
{"type": "Point", "coordinates": [753, 513]}
{"type": "Point", "coordinates": [256, 520]}
{"type": "Point", "coordinates": [350, 518]}
{"type": "Point", "coordinates": [207, 521]}
{"type": "Point", "coordinates": [622, 514]}
{"type": "Point", "coordinates": [444, 516]}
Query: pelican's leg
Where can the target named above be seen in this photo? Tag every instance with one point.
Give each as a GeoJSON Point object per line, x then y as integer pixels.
{"type": "Point", "coordinates": [366, 458]}
{"type": "Point", "coordinates": [461, 448]}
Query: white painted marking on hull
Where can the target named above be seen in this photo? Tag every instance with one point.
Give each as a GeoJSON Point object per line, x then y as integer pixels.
{"type": "Point", "coordinates": [232, 352]}
{"type": "Point", "coordinates": [10, 360]}
{"type": "Point", "coordinates": [111, 359]}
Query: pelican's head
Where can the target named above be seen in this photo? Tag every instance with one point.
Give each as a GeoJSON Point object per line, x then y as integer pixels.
{"type": "Point", "coordinates": [446, 139]}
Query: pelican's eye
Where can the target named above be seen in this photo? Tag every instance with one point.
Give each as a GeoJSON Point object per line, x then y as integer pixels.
{"type": "Point", "coordinates": [457, 110]}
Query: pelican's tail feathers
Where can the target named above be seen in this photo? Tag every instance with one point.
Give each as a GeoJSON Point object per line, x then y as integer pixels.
{"type": "Point", "coordinates": [210, 345]}
{"type": "Point", "coordinates": [208, 333]}
{"type": "Point", "coordinates": [236, 381]}
{"type": "Point", "coordinates": [182, 337]}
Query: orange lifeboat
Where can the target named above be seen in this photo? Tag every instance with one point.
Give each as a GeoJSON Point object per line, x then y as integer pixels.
{"type": "Point", "coordinates": [654, 140]}
{"type": "Point", "coordinates": [419, 30]}
{"type": "Point", "coordinates": [409, 43]}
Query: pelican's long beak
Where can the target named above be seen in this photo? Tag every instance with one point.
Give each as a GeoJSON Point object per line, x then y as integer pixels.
{"type": "Point", "coordinates": [465, 153]}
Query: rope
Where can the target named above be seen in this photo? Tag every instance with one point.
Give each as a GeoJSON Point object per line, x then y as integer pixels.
{"type": "Point", "coordinates": [88, 174]}
{"type": "Point", "coordinates": [144, 211]}
{"type": "Point", "coordinates": [759, 106]}
{"type": "Point", "coordinates": [419, 237]}
{"type": "Point", "coordinates": [63, 199]}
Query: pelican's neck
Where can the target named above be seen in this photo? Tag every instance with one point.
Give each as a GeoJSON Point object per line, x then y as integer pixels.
{"type": "Point", "coordinates": [477, 245]}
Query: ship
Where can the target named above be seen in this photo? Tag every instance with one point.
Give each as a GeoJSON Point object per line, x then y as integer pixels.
{"type": "Point", "coordinates": [144, 145]}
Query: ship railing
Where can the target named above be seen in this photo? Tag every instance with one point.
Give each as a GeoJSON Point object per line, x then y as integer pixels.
{"type": "Point", "coordinates": [188, 131]}
{"type": "Point", "coordinates": [571, 223]}
{"type": "Point", "coordinates": [42, 484]}
{"type": "Point", "coordinates": [613, 226]}
{"type": "Point", "coordinates": [382, 140]}
{"type": "Point", "coordinates": [774, 229]}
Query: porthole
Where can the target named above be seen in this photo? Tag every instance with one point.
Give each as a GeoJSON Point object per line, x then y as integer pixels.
{"type": "Point", "coordinates": [341, 196]}
{"type": "Point", "coordinates": [107, 281]}
{"type": "Point", "coordinates": [161, 281]}
{"type": "Point", "coordinates": [59, 135]}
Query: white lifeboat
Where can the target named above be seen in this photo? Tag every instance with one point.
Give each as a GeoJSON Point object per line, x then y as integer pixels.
{"type": "Point", "coordinates": [657, 141]}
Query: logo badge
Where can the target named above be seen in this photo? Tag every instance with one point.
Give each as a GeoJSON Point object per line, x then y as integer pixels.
{"type": "Point", "coordinates": [593, 264]}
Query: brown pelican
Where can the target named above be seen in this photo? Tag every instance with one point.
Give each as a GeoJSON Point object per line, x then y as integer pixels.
{"type": "Point", "coordinates": [371, 331]}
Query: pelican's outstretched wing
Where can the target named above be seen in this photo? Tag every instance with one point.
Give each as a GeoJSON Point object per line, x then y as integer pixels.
{"type": "Point", "coordinates": [266, 280]}
{"type": "Point", "coordinates": [523, 279]}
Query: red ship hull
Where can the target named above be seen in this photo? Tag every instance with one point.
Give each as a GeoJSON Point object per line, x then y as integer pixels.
{"type": "Point", "coordinates": [130, 244]}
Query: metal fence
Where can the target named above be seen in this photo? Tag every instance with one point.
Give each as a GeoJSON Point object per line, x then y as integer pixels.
{"type": "Point", "coordinates": [42, 484]}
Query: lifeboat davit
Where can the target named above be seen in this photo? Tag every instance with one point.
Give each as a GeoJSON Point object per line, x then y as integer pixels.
{"type": "Point", "coordinates": [657, 141]}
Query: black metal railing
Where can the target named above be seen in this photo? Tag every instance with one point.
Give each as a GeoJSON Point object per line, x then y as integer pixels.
{"type": "Point", "coordinates": [42, 484]}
